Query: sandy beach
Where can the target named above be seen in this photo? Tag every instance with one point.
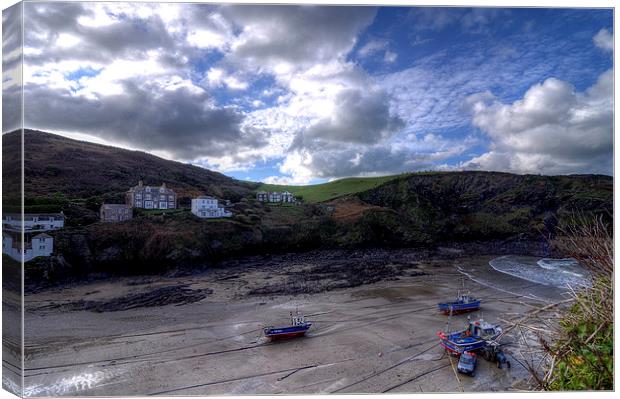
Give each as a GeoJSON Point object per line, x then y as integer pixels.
{"type": "Point", "coordinates": [370, 338]}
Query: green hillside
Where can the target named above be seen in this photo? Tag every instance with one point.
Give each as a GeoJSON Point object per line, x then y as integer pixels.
{"type": "Point", "coordinates": [326, 191]}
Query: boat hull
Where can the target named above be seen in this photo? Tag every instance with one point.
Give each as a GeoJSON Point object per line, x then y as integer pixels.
{"type": "Point", "coordinates": [458, 308]}
{"type": "Point", "coordinates": [278, 333]}
{"type": "Point", "coordinates": [457, 343]}
{"type": "Point", "coordinates": [459, 348]}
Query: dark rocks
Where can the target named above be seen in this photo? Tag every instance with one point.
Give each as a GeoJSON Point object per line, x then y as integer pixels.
{"type": "Point", "coordinates": [320, 271]}
{"type": "Point", "coordinates": [176, 295]}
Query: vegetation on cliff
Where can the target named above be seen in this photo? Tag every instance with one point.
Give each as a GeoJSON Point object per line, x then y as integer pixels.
{"type": "Point", "coordinates": [583, 351]}
{"type": "Point", "coordinates": [570, 344]}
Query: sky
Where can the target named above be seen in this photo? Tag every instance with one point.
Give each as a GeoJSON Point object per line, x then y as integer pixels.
{"type": "Point", "coordinates": [307, 94]}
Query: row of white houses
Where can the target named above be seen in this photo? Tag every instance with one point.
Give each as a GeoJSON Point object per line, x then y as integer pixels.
{"type": "Point", "coordinates": [162, 197]}
{"type": "Point", "coordinates": [36, 241]}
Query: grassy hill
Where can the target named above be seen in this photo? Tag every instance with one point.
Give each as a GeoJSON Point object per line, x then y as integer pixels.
{"type": "Point", "coordinates": [58, 167]}
{"type": "Point", "coordinates": [488, 205]}
{"type": "Point", "coordinates": [327, 191]}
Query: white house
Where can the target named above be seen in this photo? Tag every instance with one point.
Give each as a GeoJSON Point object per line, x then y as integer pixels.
{"type": "Point", "coordinates": [208, 207]}
{"type": "Point", "coordinates": [39, 245]}
{"type": "Point", "coordinates": [275, 196]}
{"type": "Point", "coordinates": [36, 243]}
{"type": "Point", "coordinates": [288, 197]}
{"type": "Point", "coordinates": [33, 222]}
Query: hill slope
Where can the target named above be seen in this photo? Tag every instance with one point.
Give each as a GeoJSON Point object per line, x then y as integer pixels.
{"type": "Point", "coordinates": [55, 164]}
{"type": "Point", "coordinates": [488, 205]}
{"type": "Point", "coordinates": [327, 191]}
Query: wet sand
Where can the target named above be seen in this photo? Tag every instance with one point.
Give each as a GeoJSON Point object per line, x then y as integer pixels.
{"type": "Point", "coordinates": [372, 338]}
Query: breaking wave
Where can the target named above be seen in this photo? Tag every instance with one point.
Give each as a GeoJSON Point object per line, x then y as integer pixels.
{"type": "Point", "coordinates": [560, 273]}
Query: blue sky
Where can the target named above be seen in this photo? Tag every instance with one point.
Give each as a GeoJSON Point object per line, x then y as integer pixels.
{"type": "Point", "coordinates": [292, 94]}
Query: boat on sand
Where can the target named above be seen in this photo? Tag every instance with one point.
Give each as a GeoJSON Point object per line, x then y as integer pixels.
{"type": "Point", "coordinates": [299, 326]}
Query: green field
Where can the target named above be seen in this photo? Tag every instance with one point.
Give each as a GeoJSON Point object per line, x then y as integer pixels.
{"type": "Point", "coordinates": [334, 189]}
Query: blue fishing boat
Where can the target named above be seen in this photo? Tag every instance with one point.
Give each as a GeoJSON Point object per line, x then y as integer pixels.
{"type": "Point", "coordinates": [464, 303]}
{"type": "Point", "coordinates": [298, 327]}
{"type": "Point", "coordinates": [477, 335]}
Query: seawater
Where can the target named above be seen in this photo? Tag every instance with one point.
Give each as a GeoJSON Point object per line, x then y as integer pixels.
{"type": "Point", "coordinates": [560, 273]}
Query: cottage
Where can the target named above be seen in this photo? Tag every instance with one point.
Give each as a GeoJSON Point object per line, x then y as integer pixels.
{"type": "Point", "coordinates": [115, 212]}
{"type": "Point", "coordinates": [275, 197]}
{"type": "Point", "coordinates": [148, 197]}
{"type": "Point", "coordinates": [208, 207]}
{"type": "Point", "coordinates": [262, 196]}
{"type": "Point", "coordinates": [288, 197]}
{"type": "Point", "coordinates": [40, 245]}
{"type": "Point", "coordinates": [33, 222]}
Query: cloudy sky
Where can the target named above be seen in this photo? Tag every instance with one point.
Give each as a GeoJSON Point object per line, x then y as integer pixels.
{"type": "Point", "coordinates": [303, 94]}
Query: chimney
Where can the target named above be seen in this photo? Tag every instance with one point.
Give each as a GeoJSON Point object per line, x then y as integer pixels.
{"type": "Point", "coordinates": [140, 183]}
{"type": "Point", "coordinates": [163, 185]}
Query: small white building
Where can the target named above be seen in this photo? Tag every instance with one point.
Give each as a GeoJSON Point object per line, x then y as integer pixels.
{"type": "Point", "coordinates": [33, 222]}
{"type": "Point", "coordinates": [39, 245]}
{"type": "Point", "coordinates": [208, 207]}
{"type": "Point", "coordinates": [288, 197]}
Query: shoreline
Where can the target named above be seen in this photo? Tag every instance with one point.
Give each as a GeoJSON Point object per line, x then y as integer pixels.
{"type": "Point", "coordinates": [35, 283]}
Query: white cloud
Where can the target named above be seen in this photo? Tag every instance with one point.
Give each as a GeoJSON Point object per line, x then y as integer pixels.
{"type": "Point", "coordinates": [604, 40]}
{"type": "Point", "coordinates": [217, 77]}
{"type": "Point", "coordinates": [211, 32]}
{"type": "Point", "coordinates": [372, 47]}
{"type": "Point", "coordinates": [136, 67]}
{"type": "Point", "coordinates": [67, 40]}
{"type": "Point", "coordinates": [390, 57]}
{"type": "Point", "coordinates": [553, 129]}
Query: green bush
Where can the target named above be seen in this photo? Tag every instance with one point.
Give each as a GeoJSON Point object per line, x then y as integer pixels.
{"type": "Point", "coordinates": [585, 351]}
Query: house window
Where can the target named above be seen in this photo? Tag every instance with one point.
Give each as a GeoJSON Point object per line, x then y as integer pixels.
{"type": "Point", "coordinates": [42, 247]}
{"type": "Point", "coordinates": [162, 197]}
{"type": "Point", "coordinates": [139, 204]}
{"type": "Point", "coordinates": [171, 205]}
{"type": "Point", "coordinates": [139, 196]}
{"type": "Point", "coordinates": [148, 196]}
{"type": "Point", "coordinates": [171, 198]}
{"type": "Point", "coordinates": [163, 205]}
{"type": "Point", "coordinates": [148, 204]}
